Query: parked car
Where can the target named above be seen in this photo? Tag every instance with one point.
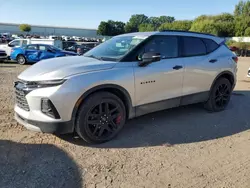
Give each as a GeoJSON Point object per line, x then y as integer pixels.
{"type": "Point", "coordinates": [37, 52]}
{"type": "Point", "coordinates": [128, 76]}
{"type": "Point", "coordinates": [84, 48]}
{"type": "Point", "coordinates": [67, 44]}
{"type": "Point", "coordinates": [3, 55]}
{"type": "Point", "coordinates": [23, 42]}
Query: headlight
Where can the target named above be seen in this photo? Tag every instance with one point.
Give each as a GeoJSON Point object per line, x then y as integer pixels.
{"type": "Point", "coordinates": [50, 83]}
{"type": "Point", "coordinates": [45, 83]}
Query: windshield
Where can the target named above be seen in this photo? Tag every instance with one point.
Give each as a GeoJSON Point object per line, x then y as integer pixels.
{"type": "Point", "coordinates": [115, 48]}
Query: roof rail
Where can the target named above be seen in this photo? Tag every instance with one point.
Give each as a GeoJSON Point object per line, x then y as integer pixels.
{"type": "Point", "coordinates": [181, 31]}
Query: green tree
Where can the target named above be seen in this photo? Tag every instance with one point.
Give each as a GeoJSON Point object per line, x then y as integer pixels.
{"type": "Point", "coordinates": [134, 22]}
{"type": "Point", "coordinates": [164, 19]}
{"type": "Point", "coordinates": [184, 25]}
{"type": "Point", "coordinates": [104, 29]}
{"type": "Point", "coordinates": [205, 26]}
{"type": "Point", "coordinates": [242, 17]}
{"type": "Point", "coordinates": [120, 27]}
{"type": "Point", "coordinates": [111, 28]}
{"type": "Point", "coordinates": [25, 28]}
{"type": "Point", "coordinates": [247, 32]}
{"type": "Point", "coordinates": [146, 27]}
{"type": "Point", "coordinates": [116, 27]}
{"type": "Point", "coordinates": [222, 25]}
{"type": "Point", "coordinates": [225, 24]}
{"type": "Point", "coordinates": [242, 8]}
{"type": "Point", "coordinates": [158, 21]}
{"type": "Point", "coordinates": [224, 17]}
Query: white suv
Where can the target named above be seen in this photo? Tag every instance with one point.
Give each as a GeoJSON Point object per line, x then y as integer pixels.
{"type": "Point", "coordinates": [127, 76]}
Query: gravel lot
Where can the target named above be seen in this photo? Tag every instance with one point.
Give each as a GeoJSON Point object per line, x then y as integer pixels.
{"type": "Point", "coordinates": [183, 147]}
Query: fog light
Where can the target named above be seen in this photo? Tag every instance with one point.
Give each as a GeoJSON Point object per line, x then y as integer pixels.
{"type": "Point", "coordinates": [49, 109]}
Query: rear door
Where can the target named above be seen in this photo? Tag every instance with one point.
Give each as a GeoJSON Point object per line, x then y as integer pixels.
{"type": "Point", "coordinates": [201, 64]}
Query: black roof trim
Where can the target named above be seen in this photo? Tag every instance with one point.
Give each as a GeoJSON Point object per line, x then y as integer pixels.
{"type": "Point", "coordinates": [188, 32]}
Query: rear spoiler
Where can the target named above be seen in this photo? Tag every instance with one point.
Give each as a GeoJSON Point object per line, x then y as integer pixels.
{"type": "Point", "coordinates": [222, 41]}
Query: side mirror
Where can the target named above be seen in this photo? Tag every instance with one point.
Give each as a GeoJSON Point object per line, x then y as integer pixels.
{"type": "Point", "coordinates": [148, 58]}
{"type": "Point", "coordinates": [11, 45]}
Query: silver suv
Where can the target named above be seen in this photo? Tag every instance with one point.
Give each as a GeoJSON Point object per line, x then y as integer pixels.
{"type": "Point", "coordinates": [127, 76]}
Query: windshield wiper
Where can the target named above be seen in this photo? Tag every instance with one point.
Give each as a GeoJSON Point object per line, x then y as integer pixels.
{"type": "Point", "coordinates": [92, 56]}
{"type": "Point", "coordinates": [102, 58]}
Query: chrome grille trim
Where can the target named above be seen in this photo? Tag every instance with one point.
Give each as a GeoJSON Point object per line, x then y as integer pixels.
{"type": "Point", "coordinates": [21, 90]}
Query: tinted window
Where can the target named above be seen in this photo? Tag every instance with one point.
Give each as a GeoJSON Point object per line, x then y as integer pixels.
{"type": "Point", "coordinates": [167, 46]}
{"type": "Point", "coordinates": [211, 45]}
{"type": "Point", "coordinates": [193, 46]}
{"type": "Point", "coordinates": [31, 47]}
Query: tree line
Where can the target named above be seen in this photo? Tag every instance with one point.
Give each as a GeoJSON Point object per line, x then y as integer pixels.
{"type": "Point", "coordinates": [222, 25]}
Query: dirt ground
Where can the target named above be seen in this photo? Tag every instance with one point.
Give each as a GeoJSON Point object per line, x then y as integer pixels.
{"type": "Point", "coordinates": [185, 147]}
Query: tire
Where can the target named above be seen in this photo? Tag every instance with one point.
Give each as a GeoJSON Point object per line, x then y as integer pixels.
{"type": "Point", "coordinates": [220, 95]}
{"type": "Point", "coordinates": [93, 119]}
{"type": "Point", "coordinates": [21, 60]}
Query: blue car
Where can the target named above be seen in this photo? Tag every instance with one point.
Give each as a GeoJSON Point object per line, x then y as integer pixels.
{"type": "Point", "coordinates": [37, 52]}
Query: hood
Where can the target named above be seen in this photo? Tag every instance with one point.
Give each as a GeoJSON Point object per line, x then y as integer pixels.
{"type": "Point", "coordinates": [59, 68]}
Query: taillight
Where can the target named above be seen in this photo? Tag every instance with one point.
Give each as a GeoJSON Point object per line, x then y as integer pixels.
{"type": "Point", "coordinates": [12, 50]}
{"type": "Point", "coordinates": [235, 58]}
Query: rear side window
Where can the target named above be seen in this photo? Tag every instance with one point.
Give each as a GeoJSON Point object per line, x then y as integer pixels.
{"type": "Point", "coordinates": [211, 45]}
{"type": "Point", "coordinates": [193, 46]}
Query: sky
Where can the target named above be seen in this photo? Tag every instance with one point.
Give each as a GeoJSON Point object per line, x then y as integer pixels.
{"type": "Point", "coordinates": [89, 13]}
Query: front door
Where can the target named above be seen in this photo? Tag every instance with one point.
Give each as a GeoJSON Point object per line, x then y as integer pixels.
{"type": "Point", "coordinates": [45, 52]}
{"type": "Point", "coordinates": [159, 84]}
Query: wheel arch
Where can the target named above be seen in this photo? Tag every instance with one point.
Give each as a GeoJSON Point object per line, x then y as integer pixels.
{"type": "Point", "coordinates": [225, 74]}
{"type": "Point", "coordinates": [21, 54]}
{"type": "Point", "coordinates": [117, 90]}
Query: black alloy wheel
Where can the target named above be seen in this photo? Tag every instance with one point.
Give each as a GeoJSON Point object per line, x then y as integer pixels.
{"type": "Point", "coordinates": [220, 95]}
{"type": "Point", "coordinates": [100, 118]}
{"type": "Point", "coordinates": [103, 119]}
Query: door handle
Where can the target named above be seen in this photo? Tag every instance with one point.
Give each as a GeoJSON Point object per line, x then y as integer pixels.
{"type": "Point", "coordinates": [177, 67]}
{"type": "Point", "coordinates": [213, 60]}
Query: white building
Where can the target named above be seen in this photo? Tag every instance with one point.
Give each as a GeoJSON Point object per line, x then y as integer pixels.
{"type": "Point", "coordinates": [49, 30]}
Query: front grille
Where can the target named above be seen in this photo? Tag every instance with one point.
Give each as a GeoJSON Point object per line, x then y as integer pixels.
{"type": "Point", "coordinates": [21, 100]}
{"type": "Point", "coordinates": [3, 54]}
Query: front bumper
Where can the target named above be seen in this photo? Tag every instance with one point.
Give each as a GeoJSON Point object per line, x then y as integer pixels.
{"type": "Point", "coordinates": [28, 109]}
{"type": "Point", "coordinates": [3, 57]}
{"type": "Point", "coordinates": [46, 127]}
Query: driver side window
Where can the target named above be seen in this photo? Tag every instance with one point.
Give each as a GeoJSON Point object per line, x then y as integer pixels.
{"type": "Point", "coordinates": [167, 46]}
